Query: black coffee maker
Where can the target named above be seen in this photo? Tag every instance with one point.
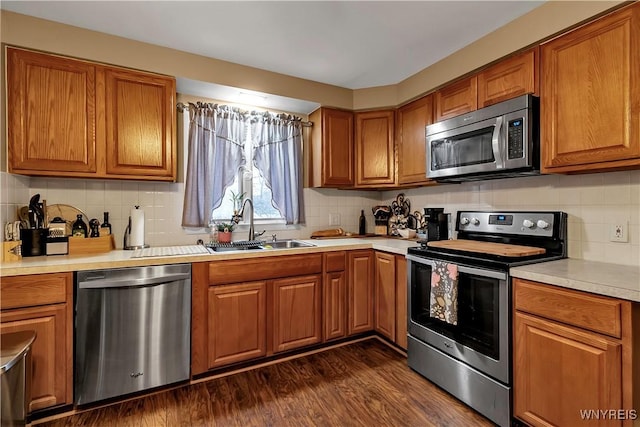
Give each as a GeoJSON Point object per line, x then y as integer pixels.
{"type": "Point", "coordinates": [437, 223]}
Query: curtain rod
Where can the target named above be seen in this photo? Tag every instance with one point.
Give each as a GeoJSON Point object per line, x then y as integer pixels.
{"type": "Point", "coordinates": [182, 107]}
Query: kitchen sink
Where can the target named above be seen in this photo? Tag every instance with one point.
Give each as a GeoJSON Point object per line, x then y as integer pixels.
{"type": "Point", "coordinates": [234, 248]}
{"type": "Point", "coordinates": [286, 244]}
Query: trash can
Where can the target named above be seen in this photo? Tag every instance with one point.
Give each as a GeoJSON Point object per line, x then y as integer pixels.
{"type": "Point", "coordinates": [15, 377]}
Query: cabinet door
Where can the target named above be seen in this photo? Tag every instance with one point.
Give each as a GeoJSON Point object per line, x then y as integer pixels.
{"type": "Point", "coordinates": [140, 125]}
{"type": "Point", "coordinates": [375, 155]}
{"type": "Point", "coordinates": [360, 293]}
{"type": "Point", "coordinates": [52, 370]}
{"type": "Point", "coordinates": [332, 156]}
{"type": "Point", "coordinates": [590, 95]}
{"type": "Point", "coordinates": [559, 371]}
{"type": "Point", "coordinates": [401, 301]}
{"type": "Point", "coordinates": [237, 323]}
{"type": "Point", "coordinates": [412, 121]}
{"type": "Point", "coordinates": [509, 78]}
{"type": "Point", "coordinates": [52, 119]}
{"type": "Point", "coordinates": [457, 98]}
{"type": "Point", "coordinates": [296, 312]}
{"type": "Point", "coordinates": [335, 305]}
{"type": "Point", "coordinates": [385, 295]}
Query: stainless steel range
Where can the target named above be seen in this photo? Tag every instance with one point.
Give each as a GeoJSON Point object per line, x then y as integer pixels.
{"type": "Point", "coordinates": [468, 351]}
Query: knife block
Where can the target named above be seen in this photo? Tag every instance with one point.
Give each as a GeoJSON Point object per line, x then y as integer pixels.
{"type": "Point", "coordinates": [11, 251]}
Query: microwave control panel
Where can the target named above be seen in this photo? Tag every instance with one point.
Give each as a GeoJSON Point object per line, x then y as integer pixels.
{"type": "Point", "coordinates": [515, 138]}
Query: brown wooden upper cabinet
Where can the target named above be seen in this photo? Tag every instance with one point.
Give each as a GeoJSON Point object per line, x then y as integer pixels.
{"type": "Point", "coordinates": [375, 149]}
{"type": "Point", "coordinates": [76, 118]}
{"type": "Point", "coordinates": [52, 119]}
{"type": "Point", "coordinates": [331, 163]}
{"type": "Point", "coordinates": [140, 124]}
{"type": "Point", "coordinates": [457, 98]}
{"type": "Point", "coordinates": [590, 96]}
{"type": "Point", "coordinates": [511, 77]}
{"type": "Point", "coordinates": [411, 122]}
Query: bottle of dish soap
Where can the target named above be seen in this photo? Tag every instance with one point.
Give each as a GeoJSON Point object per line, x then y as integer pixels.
{"type": "Point", "coordinates": [363, 224]}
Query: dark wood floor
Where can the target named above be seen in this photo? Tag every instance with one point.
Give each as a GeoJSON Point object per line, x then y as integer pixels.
{"type": "Point", "coordinates": [362, 384]}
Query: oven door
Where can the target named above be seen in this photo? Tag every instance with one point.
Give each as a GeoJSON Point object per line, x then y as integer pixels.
{"type": "Point", "coordinates": [481, 336]}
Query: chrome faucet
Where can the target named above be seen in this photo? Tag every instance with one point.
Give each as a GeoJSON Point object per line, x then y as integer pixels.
{"type": "Point", "coordinates": [238, 216]}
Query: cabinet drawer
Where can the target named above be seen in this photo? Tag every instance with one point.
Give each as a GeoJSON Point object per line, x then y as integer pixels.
{"type": "Point", "coordinates": [249, 270]}
{"type": "Point", "coordinates": [335, 261]}
{"type": "Point", "coordinates": [598, 314]}
{"type": "Point", "coordinates": [33, 290]}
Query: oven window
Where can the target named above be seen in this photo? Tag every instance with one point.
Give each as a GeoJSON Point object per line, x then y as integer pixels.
{"type": "Point", "coordinates": [478, 310]}
{"type": "Point", "coordinates": [471, 148]}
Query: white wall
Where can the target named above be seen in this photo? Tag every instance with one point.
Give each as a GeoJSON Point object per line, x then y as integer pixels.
{"type": "Point", "coordinates": [593, 203]}
{"type": "Point", "coordinates": [162, 203]}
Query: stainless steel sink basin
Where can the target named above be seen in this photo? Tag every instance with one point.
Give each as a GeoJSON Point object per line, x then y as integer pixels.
{"type": "Point", "coordinates": [235, 248]}
{"type": "Point", "coordinates": [286, 244]}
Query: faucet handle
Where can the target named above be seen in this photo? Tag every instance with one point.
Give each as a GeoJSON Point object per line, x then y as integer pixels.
{"type": "Point", "coordinates": [259, 234]}
{"type": "Point", "coordinates": [274, 238]}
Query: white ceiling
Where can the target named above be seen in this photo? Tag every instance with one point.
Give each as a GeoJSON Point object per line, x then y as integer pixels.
{"type": "Point", "coordinates": [351, 44]}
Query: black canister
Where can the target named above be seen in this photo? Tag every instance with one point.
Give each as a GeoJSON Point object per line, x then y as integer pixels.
{"type": "Point", "coordinates": [34, 241]}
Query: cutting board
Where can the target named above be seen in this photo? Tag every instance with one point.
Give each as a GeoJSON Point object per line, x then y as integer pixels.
{"type": "Point", "coordinates": [501, 249]}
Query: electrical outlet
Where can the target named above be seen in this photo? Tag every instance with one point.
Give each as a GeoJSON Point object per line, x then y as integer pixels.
{"type": "Point", "coordinates": [618, 232]}
{"type": "Point", "coordinates": [334, 219]}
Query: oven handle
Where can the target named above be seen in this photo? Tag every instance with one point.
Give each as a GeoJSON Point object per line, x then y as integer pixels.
{"type": "Point", "coordinates": [461, 268]}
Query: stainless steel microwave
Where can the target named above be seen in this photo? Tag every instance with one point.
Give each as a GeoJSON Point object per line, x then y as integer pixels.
{"type": "Point", "coordinates": [498, 141]}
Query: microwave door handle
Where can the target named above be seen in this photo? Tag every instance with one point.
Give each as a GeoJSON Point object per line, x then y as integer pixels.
{"type": "Point", "coordinates": [495, 143]}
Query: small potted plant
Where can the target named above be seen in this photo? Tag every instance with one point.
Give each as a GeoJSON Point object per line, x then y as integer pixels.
{"type": "Point", "coordinates": [224, 232]}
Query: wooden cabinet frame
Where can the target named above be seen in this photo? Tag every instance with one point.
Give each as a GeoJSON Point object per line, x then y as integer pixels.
{"type": "Point", "coordinates": [48, 310]}
{"type": "Point", "coordinates": [75, 118]}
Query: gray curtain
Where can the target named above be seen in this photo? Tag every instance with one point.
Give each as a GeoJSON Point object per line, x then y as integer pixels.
{"type": "Point", "coordinates": [216, 140]}
{"type": "Point", "coordinates": [277, 143]}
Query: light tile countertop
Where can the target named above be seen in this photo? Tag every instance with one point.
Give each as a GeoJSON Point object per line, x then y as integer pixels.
{"type": "Point", "coordinates": [121, 258]}
{"type": "Point", "coordinates": [614, 280]}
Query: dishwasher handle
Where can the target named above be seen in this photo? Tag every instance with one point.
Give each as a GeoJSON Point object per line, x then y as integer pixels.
{"type": "Point", "coordinates": [132, 282]}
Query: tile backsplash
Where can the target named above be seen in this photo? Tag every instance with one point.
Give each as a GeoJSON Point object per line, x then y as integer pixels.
{"type": "Point", "coordinates": [162, 204]}
{"type": "Point", "coordinates": [594, 202]}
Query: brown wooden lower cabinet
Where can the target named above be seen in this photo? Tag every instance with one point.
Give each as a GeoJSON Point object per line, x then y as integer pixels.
{"type": "Point", "coordinates": [385, 295]}
{"type": "Point", "coordinates": [237, 323]}
{"type": "Point", "coordinates": [401, 301]}
{"type": "Point", "coordinates": [562, 371]}
{"type": "Point", "coordinates": [334, 305]}
{"type": "Point", "coordinates": [297, 312]}
{"type": "Point", "coordinates": [51, 319]}
{"type": "Point", "coordinates": [360, 295]}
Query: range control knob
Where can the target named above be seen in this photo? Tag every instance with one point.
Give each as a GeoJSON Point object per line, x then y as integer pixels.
{"type": "Point", "coordinates": [475, 221]}
{"type": "Point", "coordinates": [464, 221]}
{"type": "Point", "coordinates": [543, 224]}
{"type": "Point", "coordinates": [528, 223]}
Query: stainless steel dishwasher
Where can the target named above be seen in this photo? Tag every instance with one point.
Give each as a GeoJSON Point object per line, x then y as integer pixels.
{"type": "Point", "coordinates": [132, 330]}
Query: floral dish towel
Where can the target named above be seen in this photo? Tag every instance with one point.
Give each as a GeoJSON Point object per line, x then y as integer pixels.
{"type": "Point", "coordinates": [444, 292]}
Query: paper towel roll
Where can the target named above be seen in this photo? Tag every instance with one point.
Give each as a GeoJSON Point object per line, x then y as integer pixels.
{"type": "Point", "coordinates": [137, 227]}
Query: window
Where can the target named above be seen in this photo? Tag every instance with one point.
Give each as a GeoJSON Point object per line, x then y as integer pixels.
{"type": "Point", "coordinates": [253, 185]}
{"type": "Point", "coordinates": [221, 162]}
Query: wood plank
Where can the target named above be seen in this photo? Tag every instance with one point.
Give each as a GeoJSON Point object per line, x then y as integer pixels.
{"type": "Point", "coordinates": [362, 384]}
{"type": "Point", "coordinates": [501, 249]}
{"type": "Point", "coordinates": [35, 289]}
{"type": "Point", "coordinates": [249, 270]}
{"type": "Point", "coordinates": [598, 314]}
